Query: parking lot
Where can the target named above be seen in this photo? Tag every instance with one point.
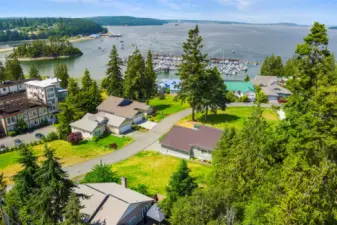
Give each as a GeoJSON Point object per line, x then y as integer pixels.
{"type": "Point", "coordinates": [28, 137]}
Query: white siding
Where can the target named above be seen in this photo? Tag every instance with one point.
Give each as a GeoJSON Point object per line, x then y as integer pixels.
{"type": "Point", "coordinates": [138, 119]}
{"type": "Point", "coordinates": [202, 154]}
{"type": "Point", "coordinates": [125, 128]}
{"type": "Point", "coordinates": [4, 91]}
{"type": "Point", "coordinates": [174, 152]}
{"type": "Point", "coordinates": [13, 88]}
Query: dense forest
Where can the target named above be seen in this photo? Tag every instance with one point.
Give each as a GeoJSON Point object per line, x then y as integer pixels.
{"type": "Point", "coordinates": [54, 47]}
{"type": "Point", "coordinates": [15, 29]}
{"type": "Point", "coordinates": [125, 21]}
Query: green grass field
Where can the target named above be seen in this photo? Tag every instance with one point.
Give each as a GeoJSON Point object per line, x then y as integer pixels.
{"type": "Point", "coordinates": [154, 170]}
{"type": "Point", "coordinates": [68, 154]}
{"type": "Point", "coordinates": [166, 107]}
{"type": "Point", "coordinates": [231, 117]}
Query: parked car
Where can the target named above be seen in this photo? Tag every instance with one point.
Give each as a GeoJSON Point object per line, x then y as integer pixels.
{"type": "Point", "coordinates": [18, 142]}
{"type": "Point", "coordinates": [39, 136]}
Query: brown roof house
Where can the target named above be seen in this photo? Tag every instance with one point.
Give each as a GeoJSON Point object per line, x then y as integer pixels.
{"type": "Point", "coordinates": [191, 143]}
{"type": "Point", "coordinates": [125, 108]}
{"type": "Point", "coordinates": [113, 204]}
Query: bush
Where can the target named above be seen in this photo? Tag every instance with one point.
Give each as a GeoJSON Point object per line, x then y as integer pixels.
{"type": "Point", "coordinates": [95, 139]}
{"type": "Point", "coordinates": [101, 173]}
{"type": "Point", "coordinates": [75, 138]}
{"type": "Point", "coordinates": [244, 99]}
{"type": "Point", "coordinates": [12, 133]}
{"type": "Point", "coordinates": [113, 145]}
{"type": "Point", "coordinates": [261, 97]}
{"type": "Point", "coordinates": [52, 136]}
{"type": "Point", "coordinates": [141, 188]}
{"type": "Point", "coordinates": [230, 96]}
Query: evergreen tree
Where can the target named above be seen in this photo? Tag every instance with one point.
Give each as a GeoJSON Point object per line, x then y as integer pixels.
{"type": "Point", "coordinates": [290, 68]}
{"type": "Point", "coordinates": [247, 78]}
{"type": "Point", "coordinates": [68, 114]}
{"type": "Point", "coordinates": [13, 70]}
{"type": "Point", "coordinates": [101, 173]}
{"type": "Point", "coordinates": [72, 213]}
{"type": "Point", "coordinates": [151, 77]}
{"type": "Point", "coordinates": [114, 78]}
{"type": "Point", "coordinates": [181, 184]}
{"type": "Point", "coordinates": [2, 72]}
{"type": "Point", "coordinates": [135, 81]}
{"type": "Point", "coordinates": [86, 80]}
{"type": "Point", "coordinates": [61, 72]}
{"type": "Point", "coordinates": [192, 70]}
{"type": "Point", "coordinates": [55, 189]}
{"type": "Point", "coordinates": [272, 66]}
{"type": "Point", "coordinates": [34, 73]}
{"type": "Point", "coordinates": [94, 98]}
{"type": "Point", "coordinates": [73, 88]}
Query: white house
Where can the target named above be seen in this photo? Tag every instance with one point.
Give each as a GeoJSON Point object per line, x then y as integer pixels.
{"type": "Point", "coordinates": [271, 87]}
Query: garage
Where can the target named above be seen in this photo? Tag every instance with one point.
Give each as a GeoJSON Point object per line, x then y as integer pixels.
{"type": "Point", "coordinates": [138, 118]}
{"type": "Point", "coordinates": [125, 128]}
{"type": "Point", "coordinates": [272, 97]}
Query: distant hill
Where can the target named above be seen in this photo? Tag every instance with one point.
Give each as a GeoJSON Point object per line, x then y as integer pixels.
{"type": "Point", "coordinates": [205, 21]}
{"type": "Point", "coordinates": [333, 28]}
{"type": "Point", "coordinates": [125, 21]}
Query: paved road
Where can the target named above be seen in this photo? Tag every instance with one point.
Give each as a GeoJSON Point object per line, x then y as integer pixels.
{"type": "Point", "coordinates": [27, 138]}
{"type": "Point", "coordinates": [142, 142]}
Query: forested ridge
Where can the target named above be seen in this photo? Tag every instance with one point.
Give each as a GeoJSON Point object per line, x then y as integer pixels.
{"type": "Point", "coordinates": [125, 20]}
{"type": "Point", "coordinates": [54, 47]}
{"type": "Point", "coordinates": [15, 29]}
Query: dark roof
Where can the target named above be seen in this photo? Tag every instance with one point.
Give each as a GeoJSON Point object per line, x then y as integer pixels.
{"type": "Point", "coordinates": [182, 138]}
{"type": "Point", "coordinates": [18, 107]}
{"type": "Point", "coordinates": [122, 107]}
{"type": "Point", "coordinates": [14, 82]}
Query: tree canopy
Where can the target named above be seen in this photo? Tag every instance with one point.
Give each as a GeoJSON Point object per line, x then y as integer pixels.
{"type": "Point", "coordinates": [272, 66]}
{"type": "Point", "coordinates": [114, 78]}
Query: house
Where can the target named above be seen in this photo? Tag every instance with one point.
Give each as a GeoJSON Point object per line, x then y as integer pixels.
{"type": "Point", "coordinates": [34, 101]}
{"type": "Point", "coordinates": [113, 204]}
{"type": "Point", "coordinates": [241, 88]}
{"type": "Point", "coordinates": [136, 111]}
{"type": "Point", "coordinates": [191, 143]}
{"type": "Point", "coordinates": [271, 86]}
{"type": "Point", "coordinates": [96, 124]}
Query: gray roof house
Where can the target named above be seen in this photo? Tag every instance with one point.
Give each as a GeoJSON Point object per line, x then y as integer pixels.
{"type": "Point", "coordinates": [191, 143]}
{"type": "Point", "coordinates": [125, 108]}
{"type": "Point", "coordinates": [113, 204]}
{"type": "Point", "coordinates": [270, 87]}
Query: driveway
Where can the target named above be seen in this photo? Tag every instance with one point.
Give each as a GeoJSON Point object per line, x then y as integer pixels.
{"type": "Point", "coordinates": [142, 141]}
{"type": "Point", "coordinates": [148, 125]}
{"type": "Point", "coordinates": [28, 137]}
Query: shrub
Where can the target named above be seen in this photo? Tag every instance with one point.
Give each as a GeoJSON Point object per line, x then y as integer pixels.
{"type": "Point", "coordinates": [230, 96]}
{"type": "Point", "coordinates": [75, 138]}
{"type": "Point", "coordinates": [12, 133]}
{"type": "Point", "coordinates": [95, 139]}
{"type": "Point", "coordinates": [141, 188]}
{"type": "Point", "coordinates": [101, 174]}
{"type": "Point", "coordinates": [113, 145]}
{"type": "Point", "coordinates": [52, 136]}
{"type": "Point", "coordinates": [244, 99]}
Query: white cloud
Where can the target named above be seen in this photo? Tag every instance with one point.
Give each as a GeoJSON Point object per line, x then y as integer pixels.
{"type": "Point", "coordinates": [241, 4]}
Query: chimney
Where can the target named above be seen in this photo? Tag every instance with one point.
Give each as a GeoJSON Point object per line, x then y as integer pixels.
{"type": "Point", "coordinates": [124, 182]}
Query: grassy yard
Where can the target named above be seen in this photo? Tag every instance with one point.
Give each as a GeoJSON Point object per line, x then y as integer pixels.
{"type": "Point", "coordinates": [154, 170]}
{"type": "Point", "coordinates": [68, 154]}
{"type": "Point", "coordinates": [230, 117]}
{"type": "Point", "coordinates": [166, 107]}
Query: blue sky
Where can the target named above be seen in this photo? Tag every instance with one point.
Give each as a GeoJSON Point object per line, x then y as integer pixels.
{"type": "Point", "coordinates": [255, 11]}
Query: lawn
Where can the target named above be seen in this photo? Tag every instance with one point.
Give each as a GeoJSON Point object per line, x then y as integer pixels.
{"type": "Point", "coordinates": [166, 107]}
{"type": "Point", "coordinates": [231, 117]}
{"type": "Point", "coordinates": [68, 154]}
{"type": "Point", "coordinates": [154, 170]}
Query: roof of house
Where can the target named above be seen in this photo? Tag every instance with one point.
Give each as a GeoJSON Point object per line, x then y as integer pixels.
{"type": "Point", "coordinates": [108, 201]}
{"type": "Point", "coordinates": [113, 120]}
{"type": "Point", "coordinates": [275, 90]}
{"type": "Point", "coordinates": [122, 107]}
{"type": "Point", "coordinates": [88, 123]}
{"type": "Point", "coordinates": [264, 80]}
{"type": "Point", "coordinates": [241, 86]}
{"type": "Point", "coordinates": [156, 213]}
{"type": "Point", "coordinates": [182, 138]}
{"type": "Point", "coordinates": [18, 106]}
{"type": "Point", "coordinates": [44, 83]}
{"type": "Point", "coordinates": [13, 82]}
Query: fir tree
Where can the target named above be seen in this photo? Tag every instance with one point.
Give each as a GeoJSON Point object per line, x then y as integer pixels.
{"type": "Point", "coordinates": [101, 173]}
{"type": "Point", "coordinates": [86, 80]}
{"type": "Point", "coordinates": [135, 81]}
{"type": "Point", "coordinates": [272, 66]}
{"type": "Point", "coordinates": [247, 78]}
{"type": "Point", "coordinates": [72, 213]}
{"type": "Point", "coordinates": [55, 189]}
{"type": "Point", "coordinates": [73, 88]}
{"type": "Point", "coordinates": [94, 98]}
{"type": "Point", "coordinates": [181, 184]}
{"type": "Point", "coordinates": [61, 72]}
{"type": "Point", "coordinates": [34, 73]}
{"type": "Point", "coordinates": [192, 71]}
{"type": "Point", "coordinates": [114, 78]}
{"type": "Point", "coordinates": [69, 113]}
{"type": "Point", "coordinates": [151, 77]}
{"type": "Point", "coordinates": [13, 70]}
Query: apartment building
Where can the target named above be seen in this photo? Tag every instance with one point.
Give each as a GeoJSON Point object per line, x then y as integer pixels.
{"type": "Point", "coordinates": [34, 101]}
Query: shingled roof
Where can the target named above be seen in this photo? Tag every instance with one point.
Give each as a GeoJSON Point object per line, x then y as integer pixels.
{"type": "Point", "coordinates": [182, 138]}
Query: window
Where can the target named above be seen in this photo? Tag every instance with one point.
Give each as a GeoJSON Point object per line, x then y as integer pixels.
{"type": "Point", "coordinates": [204, 152]}
{"type": "Point", "coordinates": [4, 89]}
{"type": "Point", "coordinates": [8, 120]}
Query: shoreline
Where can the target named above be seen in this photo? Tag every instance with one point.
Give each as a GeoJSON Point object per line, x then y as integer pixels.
{"type": "Point", "coordinates": [44, 58]}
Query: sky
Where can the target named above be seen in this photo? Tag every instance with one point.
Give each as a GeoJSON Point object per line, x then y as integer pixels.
{"type": "Point", "coordinates": [253, 11]}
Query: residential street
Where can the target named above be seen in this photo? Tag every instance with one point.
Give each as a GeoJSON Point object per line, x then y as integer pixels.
{"type": "Point", "coordinates": [28, 137]}
{"type": "Point", "coordinates": [142, 141]}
